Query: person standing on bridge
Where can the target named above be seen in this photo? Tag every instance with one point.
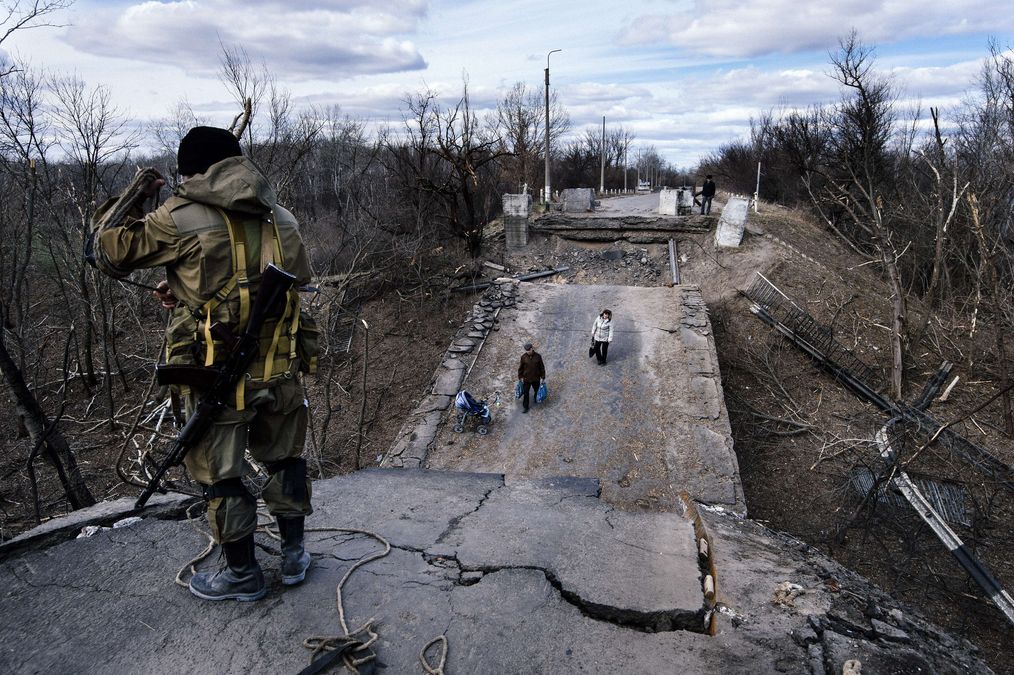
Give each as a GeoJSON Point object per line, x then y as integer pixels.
{"type": "Point", "coordinates": [214, 236]}
{"type": "Point", "coordinates": [530, 372]}
{"type": "Point", "coordinates": [602, 335]}
{"type": "Point", "coordinates": [707, 194]}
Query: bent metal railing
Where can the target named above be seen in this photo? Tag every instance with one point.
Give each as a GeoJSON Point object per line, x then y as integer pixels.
{"type": "Point", "coordinates": [976, 569]}
{"type": "Point", "coordinates": [779, 311]}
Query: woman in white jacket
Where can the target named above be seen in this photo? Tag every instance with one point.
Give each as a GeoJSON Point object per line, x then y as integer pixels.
{"type": "Point", "coordinates": [602, 335]}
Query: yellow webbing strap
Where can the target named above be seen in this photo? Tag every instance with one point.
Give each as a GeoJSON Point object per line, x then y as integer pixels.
{"type": "Point", "coordinates": [237, 235]}
{"type": "Point", "coordinates": [237, 239]}
{"type": "Point", "coordinates": [209, 342]}
{"type": "Point", "coordinates": [277, 239]}
{"type": "Point", "coordinates": [293, 295]}
{"type": "Point", "coordinates": [270, 231]}
{"type": "Point", "coordinates": [269, 360]}
{"type": "Point", "coordinates": [294, 327]}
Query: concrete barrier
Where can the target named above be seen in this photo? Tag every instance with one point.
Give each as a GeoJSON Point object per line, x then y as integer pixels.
{"type": "Point", "coordinates": [676, 201]}
{"type": "Point", "coordinates": [517, 205]}
{"type": "Point", "coordinates": [668, 202]}
{"type": "Point", "coordinates": [578, 200]}
{"type": "Point", "coordinates": [729, 232]}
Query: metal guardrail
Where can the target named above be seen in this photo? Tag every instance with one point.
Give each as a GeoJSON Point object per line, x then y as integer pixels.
{"type": "Point", "coordinates": [780, 307]}
{"type": "Point", "coordinates": [975, 567]}
{"type": "Point", "coordinates": [949, 499]}
{"type": "Point", "coordinates": [777, 310]}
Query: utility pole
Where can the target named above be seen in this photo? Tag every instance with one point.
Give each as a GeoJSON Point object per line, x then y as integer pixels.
{"type": "Point", "coordinates": [624, 167]}
{"type": "Point", "coordinates": [549, 187]}
{"type": "Point", "coordinates": [602, 158]}
{"type": "Point", "coordinates": [756, 193]}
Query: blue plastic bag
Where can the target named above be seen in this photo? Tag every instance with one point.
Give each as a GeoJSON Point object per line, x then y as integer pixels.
{"type": "Point", "coordinates": [542, 393]}
{"type": "Point", "coordinates": [519, 390]}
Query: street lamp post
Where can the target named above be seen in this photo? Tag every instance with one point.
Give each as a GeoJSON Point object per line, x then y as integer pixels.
{"type": "Point", "coordinates": [548, 195]}
{"type": "Point", "coordinates": [362, 408]}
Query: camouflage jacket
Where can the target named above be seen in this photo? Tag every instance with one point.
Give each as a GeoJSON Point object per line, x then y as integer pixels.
{"type": "Point", "coordinates": [188, 235]}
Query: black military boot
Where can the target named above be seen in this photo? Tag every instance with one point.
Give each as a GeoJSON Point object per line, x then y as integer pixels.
{"type": "Point", "coordinates": [240, 579]}
{"type": "Point", "coordinates": [295, 559]}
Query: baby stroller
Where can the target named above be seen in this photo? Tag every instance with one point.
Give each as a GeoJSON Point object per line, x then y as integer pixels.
{"type": "Point", "coordinates": [469, 407]}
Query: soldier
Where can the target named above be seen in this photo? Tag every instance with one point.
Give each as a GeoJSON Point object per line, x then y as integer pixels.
{"type": "Point", "coordinates": [214, 236]}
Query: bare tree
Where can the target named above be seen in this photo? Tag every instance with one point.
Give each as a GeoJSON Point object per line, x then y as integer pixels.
{"type": "Point", "coordinates": [23, 148]}
{"type": "Point", "coordinates": [519, 123]}
{"type": "Point", "coordinates": [17, 15]}
{"type": "Point", "coordinates": [453, 157]}
{"type": "Point", "coordinates": [97, 139]}
{"type": "Point", "coordinates": [247, 86]}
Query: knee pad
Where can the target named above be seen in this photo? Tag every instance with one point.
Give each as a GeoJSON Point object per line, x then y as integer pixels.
{"type": "Point", "coordinates": [293, 476]}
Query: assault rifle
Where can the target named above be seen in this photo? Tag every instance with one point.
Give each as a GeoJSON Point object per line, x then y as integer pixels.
{"type": "Point", "coordinates": [220, 382]}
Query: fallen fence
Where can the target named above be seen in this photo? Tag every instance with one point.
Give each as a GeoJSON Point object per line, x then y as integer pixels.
{"type": "Point", "coordinates": [779, 311]}
{"type": "Point", "coordinates": [976, 569]}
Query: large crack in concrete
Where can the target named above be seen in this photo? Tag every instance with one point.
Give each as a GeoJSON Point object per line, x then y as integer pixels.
{"type": "Point", "coordinates": [645, 622]}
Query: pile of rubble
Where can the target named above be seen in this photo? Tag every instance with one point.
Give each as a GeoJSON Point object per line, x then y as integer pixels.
{"type": "Point", "coordinates": [422, 424]}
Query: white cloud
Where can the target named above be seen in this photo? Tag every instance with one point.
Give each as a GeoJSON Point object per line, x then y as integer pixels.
{"type": "Point", "coordinates": [734, 28]}
{"type": "Point", "coordinates": [332, 39]}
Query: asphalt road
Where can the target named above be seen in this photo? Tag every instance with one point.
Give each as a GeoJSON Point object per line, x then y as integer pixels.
{"type": "Point", "coordinates": [643, 424]}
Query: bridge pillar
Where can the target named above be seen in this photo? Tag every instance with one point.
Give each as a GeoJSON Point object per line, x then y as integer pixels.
{"type": "Point", "coordinates": [516, 209]}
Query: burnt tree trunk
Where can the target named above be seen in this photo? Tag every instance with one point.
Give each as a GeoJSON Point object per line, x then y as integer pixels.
{"type": "Point", "coordinates": [45, 436]}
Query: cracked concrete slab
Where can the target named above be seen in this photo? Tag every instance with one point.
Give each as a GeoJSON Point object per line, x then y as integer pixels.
{"type": "Point", "coordinates": [519, 576]}
{"type": "Point", "coordinates": [630, 423]}
{"type": "Point", "coordinates": [584, 547]}
{"type": "Point", "coordinates": [108, 604]}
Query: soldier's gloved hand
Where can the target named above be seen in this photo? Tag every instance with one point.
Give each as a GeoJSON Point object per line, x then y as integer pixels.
{"type": "Point", "coordinates": [152, 188]}
{"type": "Point", "coordinates": [165, 295]}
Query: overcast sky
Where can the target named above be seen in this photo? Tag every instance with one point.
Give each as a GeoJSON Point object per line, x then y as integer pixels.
{"type": "Point", "coordinates": [684, 75]}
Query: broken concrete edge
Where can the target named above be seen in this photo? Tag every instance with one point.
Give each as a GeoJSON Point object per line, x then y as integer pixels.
{"type": "Point", "coordinates": [163, 507]}
{"type": "Point", "coordinates": [860, 612]}
{"type": "Point", "coordinates": [647, 230]}
{"type": "Point", "coordinates": [631, 237]}
{"type": "Point", "coordinates": [413, 441]}
{"type": "Point", "coordinates": [697, 325]}
{"type": "Point", "coordinates": [706, 560]}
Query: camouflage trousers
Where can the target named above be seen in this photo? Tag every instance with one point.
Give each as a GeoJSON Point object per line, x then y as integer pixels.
{"type": "Point", "coordinates": [273, 428]}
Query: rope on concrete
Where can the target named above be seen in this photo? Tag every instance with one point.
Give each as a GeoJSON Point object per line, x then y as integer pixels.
{"type": "Point", "coordinates": [363, 637]}
{"type": "Point", "coordinates": [328, 643]}
{"type": "Point", "coordinates": [191, 564]}
{"type": "Point", "coordinates": [439, 668]}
